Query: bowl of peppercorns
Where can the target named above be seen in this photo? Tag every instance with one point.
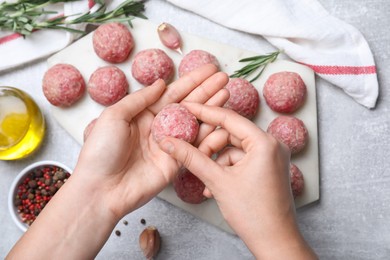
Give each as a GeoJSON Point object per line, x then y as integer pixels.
{"type": "Point", "coordinates": [33, 188]}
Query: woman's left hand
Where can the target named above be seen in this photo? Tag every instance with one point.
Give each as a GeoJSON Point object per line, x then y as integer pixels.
{"type": "Point", "coordinates": [120, 157]}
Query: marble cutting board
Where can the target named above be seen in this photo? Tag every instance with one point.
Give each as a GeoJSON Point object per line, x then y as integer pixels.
{"type": "Point", "coordinates": [75, 119]}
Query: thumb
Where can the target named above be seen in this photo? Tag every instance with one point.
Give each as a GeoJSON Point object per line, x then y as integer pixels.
{"type": "Point", "coordinates": [194, 160]}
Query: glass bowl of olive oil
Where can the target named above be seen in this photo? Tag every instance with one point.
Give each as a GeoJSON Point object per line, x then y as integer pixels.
{"type": "Point", "coordinates": [22, 125]}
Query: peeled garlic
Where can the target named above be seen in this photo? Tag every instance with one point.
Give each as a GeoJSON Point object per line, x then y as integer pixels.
{"type": "Point", "coordinates": [169, 36]}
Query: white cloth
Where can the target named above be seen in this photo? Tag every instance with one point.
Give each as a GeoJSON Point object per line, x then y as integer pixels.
{"type": "Point", "coordinates": [307, 33]}
{"type": "Point", "coordinates": [16, 50]}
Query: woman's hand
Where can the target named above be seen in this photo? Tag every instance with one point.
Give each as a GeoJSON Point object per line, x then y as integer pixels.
{"type": "Point", "coordinates": [249, 181]}
{"type": "Point", "coordinates": [120, 156]}
{"type": "Point", "coordinates": [120, 168]}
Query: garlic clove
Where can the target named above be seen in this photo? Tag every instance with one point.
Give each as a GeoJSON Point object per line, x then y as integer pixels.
{"type": "Point", "coordinates": [170, 37]}
{"type": "Point", "coordinates": [150, 241]}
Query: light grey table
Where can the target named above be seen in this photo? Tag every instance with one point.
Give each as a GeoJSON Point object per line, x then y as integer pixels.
{"type": "Point", "coordinates": [351, 221]}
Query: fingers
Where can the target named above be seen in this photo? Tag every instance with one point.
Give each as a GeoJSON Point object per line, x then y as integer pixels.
{"type": "Point", "coordinates": [216, 141]}
{"type": "Point", "coordinates": [128, 107]}
{"type": "Point", "coordinates": [208, 88]}
{"type": "Point", "coordinates": [207, 193]}
{"type": "Point", "coordinates": [180, 88]}
{"type": "Point", "coordinates": [219, 99]}
{"type": "Point", "coordinates": [238, 126]}
{"type": "Point", "coordinates": [194, 160]}
{"type": "Point", "coordinates": [230, 156]}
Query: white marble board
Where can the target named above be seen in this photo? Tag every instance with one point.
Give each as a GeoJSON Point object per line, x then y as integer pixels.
{"type": "Point", "coordinates": [74, 119]}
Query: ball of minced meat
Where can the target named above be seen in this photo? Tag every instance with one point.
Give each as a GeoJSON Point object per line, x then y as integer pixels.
{"type": "Point", "coordinates": [291, 131]}
{"type": "Point", "coordinates": [63, 85]}
{"type": "Point", "coordinates": [152, 64]}
{"type": "Point", "coordinates": [88, 129]}
{"type": "Point", "coordinates": [195, 59]}
{"type": "Point", "coordinates": [284, 92]}
{"type": "Point", "coordinates": [297, 181]}
{"type": "Point", "coordinates": [107, 85]}
{"type": "Point", "coordinates": [113, 42]}
{"type": "Point", "coordinates": [177, 121]}
{"type": "Point", "coordinates": [244, 97]}
{"type": "Point", "coordinates": [188, 187]}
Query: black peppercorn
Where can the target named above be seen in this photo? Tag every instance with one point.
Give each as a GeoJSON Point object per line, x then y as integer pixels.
{"type": "Point", "coordinates": [30, 196]}
{"type": "Point", "coordinates": [32, 184]}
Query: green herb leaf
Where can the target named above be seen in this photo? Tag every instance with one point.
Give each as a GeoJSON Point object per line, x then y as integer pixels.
{"type": "Point", "coordinates": [24, 16]}
{"type": "Point", "coordinates": [256, 63]}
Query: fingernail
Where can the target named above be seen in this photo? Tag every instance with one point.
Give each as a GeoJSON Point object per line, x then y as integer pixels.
{"type": "Point", "coordinates": [167, 147]}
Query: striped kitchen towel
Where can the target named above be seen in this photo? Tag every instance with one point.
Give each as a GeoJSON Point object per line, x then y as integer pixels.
{"type": "Point", "coordinates": [307, 33]}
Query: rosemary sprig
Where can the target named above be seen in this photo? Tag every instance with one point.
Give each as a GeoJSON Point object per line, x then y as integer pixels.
{"type": "Point", "coordinates": [256, 63]}
{"type": "Point", "coordinates": [25, 16]}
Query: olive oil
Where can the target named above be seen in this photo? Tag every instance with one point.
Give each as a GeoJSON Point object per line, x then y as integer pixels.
{"type": "Point", "coordinates": [22, 126]}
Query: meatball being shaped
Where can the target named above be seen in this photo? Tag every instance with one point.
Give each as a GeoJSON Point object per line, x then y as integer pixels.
{"type": "Point", "coordinates": [107, 85]}
{"type": "Point", "coordinates": [188, 187]}
{"type": "Point", "coordinates": [291, 131]}
{"type": "Point", "coordinates": [175, 120]}
{"type": "Point", "coordinates": [63, 85]}
{"type": "Point", "coordinates": [244, 97]}
{"type": "Point", "coordinates": [152, 64]}
{"type": "Point", "coordinates": [113, 42]}
{"type": "Point", "coordinates": [195, 59]}
{"type": "Point", "coordinates": [284, 92]}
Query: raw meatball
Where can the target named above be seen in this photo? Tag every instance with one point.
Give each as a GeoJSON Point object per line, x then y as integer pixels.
{"type": "Point", "coordinates": [244, 98]}
{"type": "Point", "coordinates": [113, 42]}
{"type": "Point", "coordinates": [150, 65]}
{"type": "Point", "coordinates": [63, 85]}
{"type": "Point", "coordinates": [195, 59]}
{"type": "Point", "coordinates": [297, 181]}
{"type": "Point", "coordinates": [89, 128]}
{"type": "Point", "coordinates": [284, 92]}
{"type": "Point", "coordinates": [291, 131]}
{"type": "Point", "coordinates": [107, 85]}
{"type": "Point", "coordinates": [175, 120]}
{"type": "Point", "coordinates": [188, 187]}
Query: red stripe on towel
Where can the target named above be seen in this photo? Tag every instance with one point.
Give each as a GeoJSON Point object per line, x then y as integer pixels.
{"type": "Point", "coordinates": [342, 70]}
{"type": "Point", "coordinates": [10, 37]}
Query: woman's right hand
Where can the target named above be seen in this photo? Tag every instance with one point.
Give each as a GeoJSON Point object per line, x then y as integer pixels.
{"type": "Point", "coordinates": [249, 181]}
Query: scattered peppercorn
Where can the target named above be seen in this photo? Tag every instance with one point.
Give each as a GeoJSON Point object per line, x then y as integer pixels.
{"type": "Point", "coordinates": [118, 233]}
{"type": "Point", "coordinates": [35, 191]}
{"type": "Point", "coordinates": [125, 222]}
{"type": "Point", "coordinates": [143, 221]}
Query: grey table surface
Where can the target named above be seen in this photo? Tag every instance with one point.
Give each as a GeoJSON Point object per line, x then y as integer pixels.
{"type": "Point", "coordinates": [351, 220]}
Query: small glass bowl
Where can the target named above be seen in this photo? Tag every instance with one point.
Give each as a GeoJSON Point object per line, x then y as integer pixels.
{"type": "Point", "coordinates": [13, 210]}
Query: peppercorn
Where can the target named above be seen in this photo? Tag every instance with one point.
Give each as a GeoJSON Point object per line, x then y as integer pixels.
{"type": "Point", "coordinates": [32, 184]}
{"type": "Point", "coordinates": [59, 184]}
{"type": "Point", "coordinates": [35, 191]}
{"type": "Point", "coordinates": [52, 190]}
{"type": "Point", "coordinates": [118, 233]}
{"type": "Point", "coordinates": [18, 202]}
{"type": "Point", "coordinates": [143, 221]}
{"type": "Point", "coordinates": [48, 181]}
{"type": "Point", "coordinates": [38, 173]}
